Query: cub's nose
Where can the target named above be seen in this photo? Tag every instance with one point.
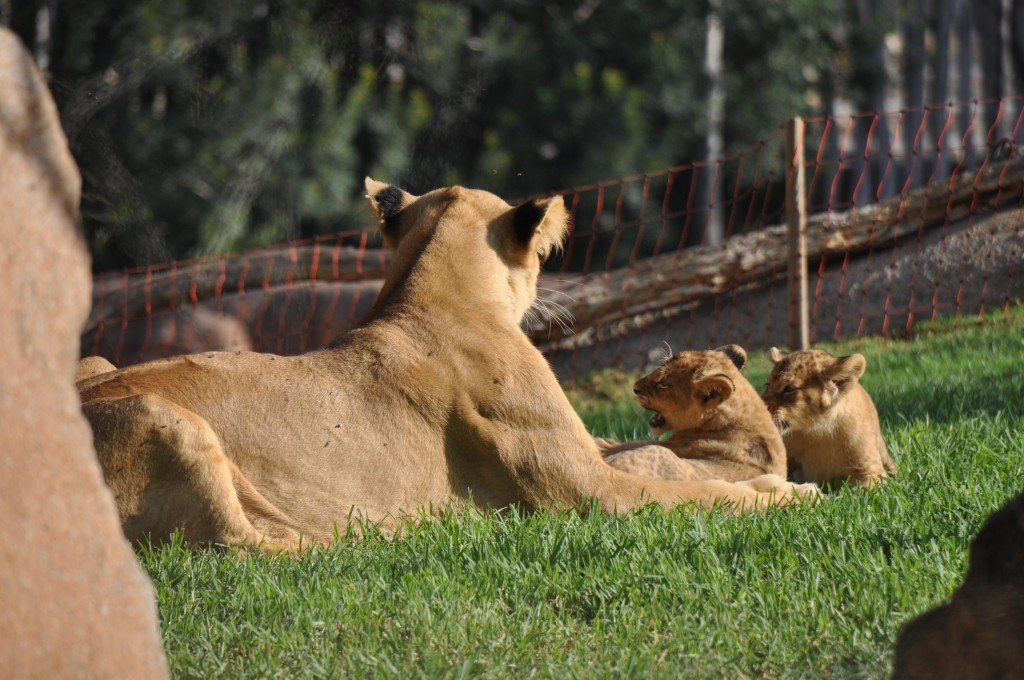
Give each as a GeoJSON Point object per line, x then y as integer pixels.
{"type": "Point", "coordinates": [636, 388]}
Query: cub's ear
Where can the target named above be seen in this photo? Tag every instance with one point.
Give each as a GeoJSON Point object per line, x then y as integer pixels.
{"type": "Point", "coordinates": [387, 201]}
{"type": "Point", "coordinates": [848, 369]}
{"type": "Point", "coordinates": [776, 355]}
{"type": "Point", "coordinates": [713, 390]}
{"type": "Point", "coordinates": [542, 223]}
{"type": "Point", "coordinates": [737, 355]}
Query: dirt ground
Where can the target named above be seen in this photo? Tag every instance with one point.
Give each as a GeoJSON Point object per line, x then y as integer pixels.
{"type": "Point", "coordinates": [960, 269]}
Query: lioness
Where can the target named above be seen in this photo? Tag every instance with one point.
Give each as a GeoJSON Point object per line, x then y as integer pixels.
{"type": "Point", "coordinates": [92, 366]}
{"type": "Point", "coordinates": [438, 398]}
{"type": "Point", "coordinates": [828, 421]}
{"type": "Point", "coordinates": [721, 428]}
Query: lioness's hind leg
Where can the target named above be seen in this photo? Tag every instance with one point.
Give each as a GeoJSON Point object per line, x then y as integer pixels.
{"type": "Point", "coordinates": [278, 530]}
{"type": "Point", "coordinates": [167, 470]}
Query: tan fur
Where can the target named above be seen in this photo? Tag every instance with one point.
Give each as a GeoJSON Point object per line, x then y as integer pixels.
{"type": "Point", "coordinates": [92, 366]}
{"type": "Point", "coordinates": [828, 421]}
{"type": "Point", "coordinates": [438, 398]}
{"type": "Point", "coordinates": [720, 427]}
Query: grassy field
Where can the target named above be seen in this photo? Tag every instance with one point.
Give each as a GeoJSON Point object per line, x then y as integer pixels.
{"type": "Point", "coordinates": [804, 592]}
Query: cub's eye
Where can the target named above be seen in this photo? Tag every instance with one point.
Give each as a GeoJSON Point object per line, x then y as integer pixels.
{"type": "Point", "coordinates": [662, 384]}
{"type": "Point", "coordinates": [788, 389]}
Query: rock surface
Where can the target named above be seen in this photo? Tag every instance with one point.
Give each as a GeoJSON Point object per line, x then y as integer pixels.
{"type": "Point", "coordinates": [75, 601]}
{"type": "Point", "coordinates": [980, 633]}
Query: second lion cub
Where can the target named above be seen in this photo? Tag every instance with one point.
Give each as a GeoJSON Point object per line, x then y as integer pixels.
{"type": "Point", "coordinates": [828, 421]}
{"type": "Point", "coordinates": [721, 428]}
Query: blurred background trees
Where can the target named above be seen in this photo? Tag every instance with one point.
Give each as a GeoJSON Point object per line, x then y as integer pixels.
{"type": "Point", "coordinates": [207, 127]}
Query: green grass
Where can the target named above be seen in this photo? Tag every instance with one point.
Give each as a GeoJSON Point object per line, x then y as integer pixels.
{"type": "Point", "coordinates": [811, 591]}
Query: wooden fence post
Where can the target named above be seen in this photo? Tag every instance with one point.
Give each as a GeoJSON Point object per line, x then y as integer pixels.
{"type": "Point", "coordinates": [796, 222]}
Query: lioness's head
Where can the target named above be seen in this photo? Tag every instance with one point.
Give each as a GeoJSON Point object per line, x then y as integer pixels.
{"type": "Point", "coordinates": [807, 384]}
{"type": "Point", "coordinates": [466, 245]}
{"type": "Point", "coordinates": [689, 385]}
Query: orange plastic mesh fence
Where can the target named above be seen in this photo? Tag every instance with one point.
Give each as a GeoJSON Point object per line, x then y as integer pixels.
{"type": "Point", "coordinates": [913, 215]}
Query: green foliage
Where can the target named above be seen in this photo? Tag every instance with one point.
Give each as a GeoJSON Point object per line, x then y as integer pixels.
{"type": "Point", "coordinates": [201, 128]}
{"type": "Point", "coordinates": [773, 57]}
{"type": "Point", "coordinates": [816, 591]}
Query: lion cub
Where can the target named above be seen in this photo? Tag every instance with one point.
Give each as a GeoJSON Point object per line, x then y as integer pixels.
{"type": "Point", "coordinates": [720, 427]}
{"type": "Point", "coordinates": [827, 419]}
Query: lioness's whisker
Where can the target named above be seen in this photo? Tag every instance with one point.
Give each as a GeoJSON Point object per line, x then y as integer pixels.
{"type": "Point", "coordinates": [547, 313]}
{"type": "Point", "coordinates": [556, 313]}
{"type": "Point", "coordinates": [539, 304]}
{"type": "Point", "coordinates": [560, 310]}
{"type": "Point", "coordinates": [559, 292]}
{"type": "Point", "coordinates": [531, 320]}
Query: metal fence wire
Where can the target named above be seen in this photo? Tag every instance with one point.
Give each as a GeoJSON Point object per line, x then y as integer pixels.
{"type": "Point", "coordinates": [911, 216]}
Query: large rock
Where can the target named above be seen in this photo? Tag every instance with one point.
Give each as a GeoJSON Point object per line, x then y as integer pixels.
{"type": "Point", "coordinates": [980, 633]}
{"type": "Point", "coordinates": [73, 600]}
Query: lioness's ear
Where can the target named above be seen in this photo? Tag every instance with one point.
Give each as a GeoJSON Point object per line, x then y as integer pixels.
{"type": "Point", "coordinates": [847, 369]}
{"type": "Point", "coordinates": [737, 355]}
{"type": "Point", "coordinates": [387, 201]}
{"type": "Point", "coordinates": [713, 389]}
{"type": "Point", "coordinates": [542, 222]}
{"type": "Point", "coordinates": [776, 355]}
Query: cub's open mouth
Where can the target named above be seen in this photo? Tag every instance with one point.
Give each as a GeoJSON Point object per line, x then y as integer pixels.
{"type": "Point", "coordinates": [657, 421]}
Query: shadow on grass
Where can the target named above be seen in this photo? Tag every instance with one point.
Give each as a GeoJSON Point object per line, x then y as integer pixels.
{"type": "Point", "coordinates": [981, 392]}
{"type": "Point", "coordinates": [972, 371]}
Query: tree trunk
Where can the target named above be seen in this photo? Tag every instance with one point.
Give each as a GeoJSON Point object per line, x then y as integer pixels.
{"type": "Point", "coordinates": [1017, 42]}
{"type": "Point", "coordinates": [713, 231]}
{"type": "Point", "coordinates": [965, 32]}
{"type": "Point", "coordinates": [941, 21]}
{"type": "Point", "coordinates": [46, 17]}
{"type": "Point", "coordinates": [913, 76]}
